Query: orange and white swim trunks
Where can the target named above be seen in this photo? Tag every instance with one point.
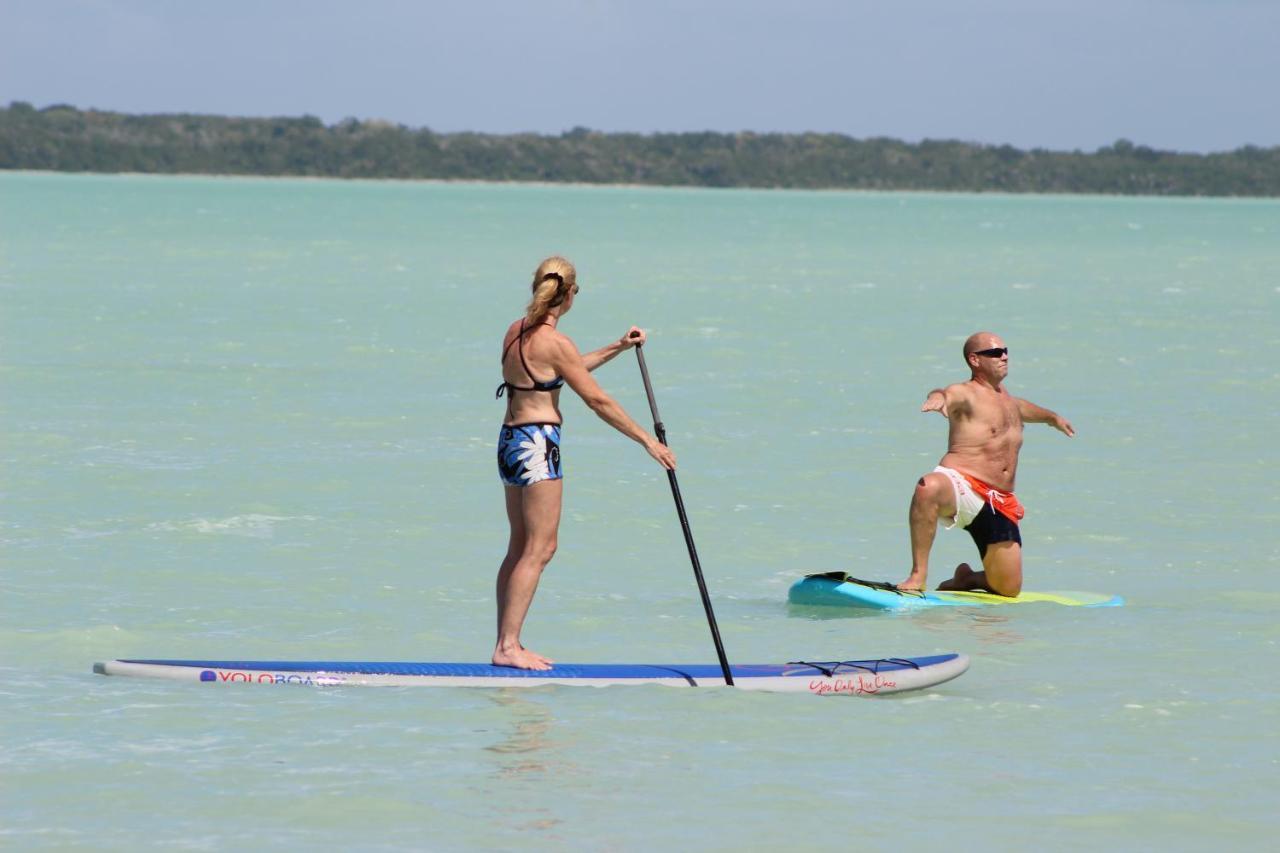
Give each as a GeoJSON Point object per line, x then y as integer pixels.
{"type": "Point", "coordinates": [989, 514]}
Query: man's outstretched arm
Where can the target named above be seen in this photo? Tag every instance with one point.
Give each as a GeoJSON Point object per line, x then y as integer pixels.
{"type": "Point", "coordinates": [1033, 414]}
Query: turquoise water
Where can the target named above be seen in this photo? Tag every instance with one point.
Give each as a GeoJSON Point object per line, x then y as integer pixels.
{"type": "Point", "coordinates": [254, 418]}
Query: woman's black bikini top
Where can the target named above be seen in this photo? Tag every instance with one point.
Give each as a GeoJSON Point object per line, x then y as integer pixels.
{"type": "Point", "coordinates": [538, 385]}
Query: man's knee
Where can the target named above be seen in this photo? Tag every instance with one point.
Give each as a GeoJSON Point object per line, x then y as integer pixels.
{"type": "Point", "coordinates": [934, 491]}
{"type": "Point", "coordinates": [926, 489]}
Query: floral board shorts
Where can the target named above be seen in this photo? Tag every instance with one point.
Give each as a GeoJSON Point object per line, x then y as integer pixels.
{"type": "Point", "coordinates": [529, 453]}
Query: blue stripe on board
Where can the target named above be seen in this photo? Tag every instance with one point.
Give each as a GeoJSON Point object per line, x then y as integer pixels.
{"type": "Point", "coordinates": [585, 670]}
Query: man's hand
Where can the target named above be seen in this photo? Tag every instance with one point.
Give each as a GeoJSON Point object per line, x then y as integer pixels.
{"type": "Point", "coordinates": [935, 402]}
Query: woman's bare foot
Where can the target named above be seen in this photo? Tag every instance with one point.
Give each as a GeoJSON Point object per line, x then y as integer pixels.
{"type": "Point", "coordinates": [961, 581]}
{"type": "Point", "coordinates": [520, 658]}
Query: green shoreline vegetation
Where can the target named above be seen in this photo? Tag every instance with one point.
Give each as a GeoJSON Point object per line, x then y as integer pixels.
{"type": "Point", "coordinates": [63, 138]}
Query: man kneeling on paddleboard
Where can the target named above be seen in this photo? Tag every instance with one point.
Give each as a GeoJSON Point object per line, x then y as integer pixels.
{"type": "Point", "coordinates": [973, 483]}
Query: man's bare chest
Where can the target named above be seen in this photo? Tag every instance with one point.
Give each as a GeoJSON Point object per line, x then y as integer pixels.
{"type": "Point", "coordinates": [995, 416]}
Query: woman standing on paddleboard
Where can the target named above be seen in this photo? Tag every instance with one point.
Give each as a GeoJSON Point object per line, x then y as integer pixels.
{"type": "Point", "coordinates": [529, 442]}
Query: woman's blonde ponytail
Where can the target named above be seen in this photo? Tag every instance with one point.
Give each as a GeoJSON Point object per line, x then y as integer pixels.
{"type": "Point", "coordinates": [553, 281]}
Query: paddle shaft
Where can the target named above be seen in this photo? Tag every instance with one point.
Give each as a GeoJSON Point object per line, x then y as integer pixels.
{"type": "Point", "coordinates": [660, 431]}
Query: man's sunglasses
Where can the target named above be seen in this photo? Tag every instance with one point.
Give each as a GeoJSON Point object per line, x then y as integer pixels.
{"type": "Point", "coordinates": [994, 352]}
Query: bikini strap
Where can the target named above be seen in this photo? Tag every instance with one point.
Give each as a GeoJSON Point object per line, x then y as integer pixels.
{"type": "Point", "coordinates": [514, 340]}
{"type": "Point", "coordinates": [537, 385]}
{"type": "Point", "coordinates": [520, 350]}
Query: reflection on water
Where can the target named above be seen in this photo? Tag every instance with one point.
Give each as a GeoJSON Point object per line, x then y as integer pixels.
{"type": "Point", "coordinates": [992, 628]}
{"type": "Point", "coordinates": [525, 747]}
{"type": "Point", "coordinates": [978, 624]}
{"type": "Point", "coordinates": [982, 625]}
{"type": "Point", "coordinates": [527, 756]}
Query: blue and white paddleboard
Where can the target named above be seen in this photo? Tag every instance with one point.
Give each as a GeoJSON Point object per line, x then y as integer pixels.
{"type": "Point", "coordinates": [836, 589]}
{"type": "Point", "coordinates": [851, 677]}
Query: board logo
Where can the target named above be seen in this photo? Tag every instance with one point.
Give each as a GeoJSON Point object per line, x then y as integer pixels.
{"type": "Point", "coordinates": [858, 686]}
{"type": "Point", "coordinates": [242, 677]}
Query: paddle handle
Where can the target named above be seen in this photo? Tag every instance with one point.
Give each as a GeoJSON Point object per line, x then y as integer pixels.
{"type": "Point", "coordinates": [661, 432]}
{"type": "Point", "coordinates": [658, 429]}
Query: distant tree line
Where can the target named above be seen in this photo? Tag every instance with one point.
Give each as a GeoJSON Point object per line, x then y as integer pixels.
{"type": "Point", "coordinates": [63, 138]}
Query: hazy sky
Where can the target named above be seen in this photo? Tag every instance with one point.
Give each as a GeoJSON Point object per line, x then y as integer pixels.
{"type": "Point", "coordinates": [1192, 75]}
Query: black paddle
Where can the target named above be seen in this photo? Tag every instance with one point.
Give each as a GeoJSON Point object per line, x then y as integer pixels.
{"type": "Point", "coordinates": [661, 433]}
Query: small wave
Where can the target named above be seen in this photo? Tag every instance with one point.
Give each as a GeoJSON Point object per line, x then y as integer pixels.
{"type": "Point", "coordinates": [254, 524]}
{"type": "Point", "coordinates": [81, 533]}
{"type": "Point", "coordinates": [128, 455]}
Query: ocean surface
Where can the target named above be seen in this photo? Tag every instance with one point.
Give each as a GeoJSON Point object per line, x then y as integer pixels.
{"type": "Point", "coordinates": [250, 418]}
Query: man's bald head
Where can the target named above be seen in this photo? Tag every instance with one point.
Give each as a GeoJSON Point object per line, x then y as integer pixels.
{"type": "Point", "coordinates": [979, 341]}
